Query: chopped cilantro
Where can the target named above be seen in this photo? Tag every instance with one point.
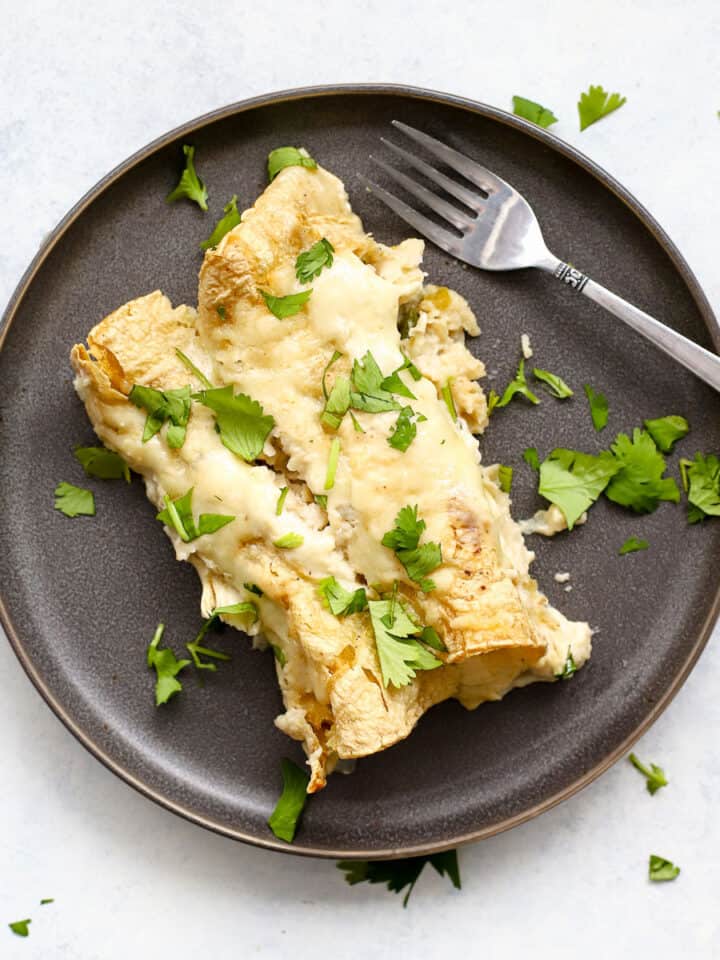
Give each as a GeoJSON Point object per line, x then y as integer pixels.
{"type": "Point", "coordinates": [279, 654]}
{"type": "Point", "coordinates": [660, 869]}
{"type": "Point", "coordinates": [431, 638]}
{"type": "Point", "coordinates": [20, 927]}
{"type": "Point", "coordinates": [356, 423]}
{"type": "Point", "coordinates": [394, 382]}
{"type": "Point", "coordinates": [187, 362]}
{"type": "Point", "coordinates": [399, 653]}
{"type": "Point", "coordinates": [516, 387]}
{"type": "Point", "coordinates": [284, 819]}
{"type": "Point", "coordinates": [196, 649]}
{"type": "Point", "coordinates": [281, 501]}
{"type": "Point", "coordinates": [573, 481]}
{"type": "Point", "coordinates": [398, 874]}
{"type": "Point", "coordinates": [368, 393]}
{"type": "Point", "coordinates": [74, 501]}
{"type": "Point", "coordinates": [666, 431]}
{"type": "Point", "coordinates": [404, 540]}
{"type": "Point", "coordinates": [404, 430]}
{"type": "Point", "coordinates": [284, 307]}
{"type": "Point", "coordinates": [447, 395]}
{"type": "Point", "coordinates": [333, 457]}
{"type": "Point", "coordinates": [229, 220]}
{"type": "Point", "coordinates": [530, 456]}
{"type": "Point", "coordinates": [701, 479]}
{"type": "Point", "coordinates": [166, 666]}
{"type": "Point", "coordinates": [289, 541]}
{"type": "Point", "coordinates": [493, 399]}
{"type": "Point", "coordinates": [101, 463]}
{"type": "Point", "coordinates": [283, 157]}
{"type": "Point", "coordinates": [190, 186]}
{"type": "Point", "coordinates": [639, 483]}
{"type": "Point", "coordinates": [569, 667]}
{"type": "Point", "coordinates": [46, 900]}
{"type": "Point", "coordinates": [221, 312]}
{"type": "Point", "coordinates": [242, 424]}
{"type": "Point", "coordinates": [655, 776]}
{"type": "Point", "coordinates": [556, 385]}
{"type": "Point", "coordinates": [596, 104]}
{"type": "Point", "coordinates": [340, 601]}
{"type": "Point", "coordinates": [162, 405]}
{"type": "Point", "coordinates": [598, 407]}
{"type": "Point", "coordinates": [505, 476]}
{"type": "Point", "coordinates": [337, 403]}
{"type": "Point", "coordinates": [631, 545]}
{"type": "Point", "coordinates": [321, 500]}
{"type": "Point", "coordinates": [534, 112]}
{"type": "Point", "coordinates": [310, 263]}
{"type": "Point", "coordinates": [178, 516]}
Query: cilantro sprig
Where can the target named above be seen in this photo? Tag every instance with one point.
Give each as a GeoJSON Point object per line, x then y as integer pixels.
{"type": "Point", "coordinates": [310, 263]}
{"type": "Point", "coordinates": [190, 186]}
{"type": "Point", "coordinates": [230, 219]}
{"type": "Point", "coordinates": [166, 666]}
{"type": "Point", "coordinates": [243, 425]}
{"type": "Point", "coordinates": [74, 501]}
{"type": "Point", "coordinates": [573, 481]}
{"type": "Point", "coordinates": [399, 874]}
{"type": "Point", "coordinates": [368, 392]}
{"type": "Point", "coordinates": [338, 600]}
{"type": "Point", "coordinates": [400, 652]}
{"type": "Point", "coordinates": [517, 388]}
{"type": "Point", "coordinates": [655, 777]}
{"type": "Point", "coordinates": [178, 516]}
{"type": "Point", "coordinates": [285, 817]}
{"type": "Point", "coordinates": [102, 463]}
{"type": "Point", "coordinates": [171, 406]}
{"type": "Point", "coordinates": [534, 112]}
{"type": "Point", "coordinates": [596, 103]}
{"type": "Point", "coordinates": [404, 540]}
{"type": "Point", "coordinates": [639, 483]}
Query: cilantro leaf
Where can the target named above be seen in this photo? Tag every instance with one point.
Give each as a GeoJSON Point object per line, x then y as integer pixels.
{"type": "Point", "coordinates": [102, 463]}
{"type": "Point", "coordinates": [598, 407]}
{"type": "Point", "coordinates": [534, 112]}
{"type": "Point", "coordinates": [398, 874]}
{"type": "Point", "coordinates": [333, 458]}
{"type": "Point", "coordinates": [573, 481]}
{"type": "Point", "coordinates": [666, 431]}
{"type": "Point", "coordinates": [281, 501]}
{"type": "Point", "coordinates": [395, 384]}
{"type": "Point", "coordinates": [190, 186]}
{"type": "Point", "coordinates": [569, 667]}
{"type": "Point", "coordinates": [655, 776]}
{"type": "Point", "coordinates": [337, 403]}
{"type": "Point", "coordinates": [369, 393]}
{"type": "Point", "coordinates": [408, 316]}
{"type": "Point", "coordinates": [289, 541]}
{"type": "Point", "coordinates": [639, 483]}
{"type": "Point", "coordinates": [284, 307]}
{"type": "Point", "coordinates": [556, 385]}
{"type": "Point", "coordinates": [701, 479]}
{"type": "Point", "coordinates": [285, 817]}
{"type": "Point", "coordinates": [310, 263]}
{"type": "Point", "coordinates": [400, 655]}
{"type": "Point", "coordinates": [20, 927]}
{"type": "Point", "coordinates": [505, 476]}
{"type": "Point", "coordinates": [407, 530]}
{"type": "Point", "coordinates": [166, 666]}
{"type": "Point", "coordinates": [431, 638]}
{"type": "Point", "coordinates": [229, 220]}
{"type": "Point", "coordinates": [340, 601]}
{"type": "Point", "coordinates": [283, 157]}
{"type": "Point", "coordinates": [530, 456]}
{"type": "Point", "coordinates": [447, 395]}
{"type": "Point", "coordinates": [404, 540]}
{"type": "Point", "coordinates": [660, 869]}
{"type": "Point", "coordinates": [178, 516]}
{"type": "Point", "coordinates": [162, 405]}
{"type": "Point", "coordinates": [631, 545]}
{"type": "Point", "coordinates": [242, 424]}
{"type": "Point", "coordinates": [516, 387]}
{"type": "Point", "coordinates": [74, 501]}
{"type": "Point", "coordinates": [596, 104]}
{"type": "Point", "coordinates": [187, 362]}
{"type": "Point", "coordinates": [404, 431]}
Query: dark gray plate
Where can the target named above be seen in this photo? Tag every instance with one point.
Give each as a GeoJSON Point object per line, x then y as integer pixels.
{"type": "Point", "coordinates": [82, 597]}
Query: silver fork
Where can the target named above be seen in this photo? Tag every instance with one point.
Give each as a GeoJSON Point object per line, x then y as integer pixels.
{"type": "Point", "coordinates": [502, 233]}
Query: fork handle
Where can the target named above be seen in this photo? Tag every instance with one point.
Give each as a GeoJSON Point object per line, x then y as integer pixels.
{"type": "Point", "coordinates": [701, 362]}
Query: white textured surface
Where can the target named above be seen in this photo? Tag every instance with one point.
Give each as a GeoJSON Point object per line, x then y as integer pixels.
{"type": "Point", "coordinates": [84, 85]}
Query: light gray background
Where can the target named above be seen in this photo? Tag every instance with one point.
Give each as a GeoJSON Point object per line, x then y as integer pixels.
{"type": "Point", "coordinates": [84, 85]}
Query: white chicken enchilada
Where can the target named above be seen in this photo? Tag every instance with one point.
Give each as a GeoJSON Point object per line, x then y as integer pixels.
{"type": "Point", "coordinates": [307, 436]}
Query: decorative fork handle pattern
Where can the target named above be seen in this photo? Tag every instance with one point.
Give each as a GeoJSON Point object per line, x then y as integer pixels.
{"type": "Point", "coordinates": [700, 361]}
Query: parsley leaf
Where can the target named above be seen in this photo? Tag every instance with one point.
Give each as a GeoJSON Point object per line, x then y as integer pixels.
{"type": "Point", "coordinates": [400, 655]}
{"type": "Point", "coordinates": [569, 667]}
{"type": "Point", "coordinates": [20, 927]}
{"type": "Point", "coordinates": [242, 424]}
{"type": "Point", "coordinates": [102, 463]}
{"type": "Point", "coordinates": [369, 393]}
{"type": "Point", "coordinates": [534, 112]}
{"type": "Point", "coordinates": [187, 362]}
{"type": "Point", "coordinates": [573, 481]}
{"type": "Point", "coordinates": [517, 386]}
{"type": "Point", "coordinates": [281, 501]}
{"type": "Point", "coordinates": [162, 405]}
{"type": "Point", "coordinates": [74, 501]}
{"type": "Point", "coordinates": [530, 456]}
{"type": "Point", "coordinates": [229, 220]}
{"type": "Point", "coordinates": [166, 666]}
{"type": "Point", "coordinates": [333, 458]}
{"type": "Point", "coordinates": [596, 104]}
{"type": "Point", "coordinates": [284, 307]}
{"type": "Point", "coordinates": [310, 263]}
{"type": "Point", "coordinates": [666, 431]}
{"type": "Point", "coordinates": [404, 431]}
{"type": "Point", "coordinates": [631, 545]}
{"type": "Point", "coordinates": [398, 874]}
{"type": "Point", "coordinates": [505, 475]}
{"type": "Point", "coordinates": [283, 157]}
{"type": "Point", "coordinates": [639, 483]}
{"type": "Point", "coordinates": [701, 479]}
{"type": "Point", "coordinates": [340, 601]}
{"type": "Point", "coordinates": [289, 541]}
{"type": "Point", "coordinates": [655, 775]}
{"type": "Point", "coordinates": [556, 385]}
{"type": "Point", "coordinates": [284, 819]}
{"type": "Point", "coordinates": [404, 540]}
{"type": "Point", "coordinates": [178, 516]}
{"type": "Point", "coordinates": [598, 407]}
{"type": "Point", "coordinates": [660, 869]}
{"type": "Point", "coordinates": [190, 186]}
{"type": "Point", "coordinates": [447, 395]}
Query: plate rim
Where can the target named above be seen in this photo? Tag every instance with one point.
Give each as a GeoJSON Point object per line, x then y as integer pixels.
{"type": "Point", "coordinates": [479, 109]}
